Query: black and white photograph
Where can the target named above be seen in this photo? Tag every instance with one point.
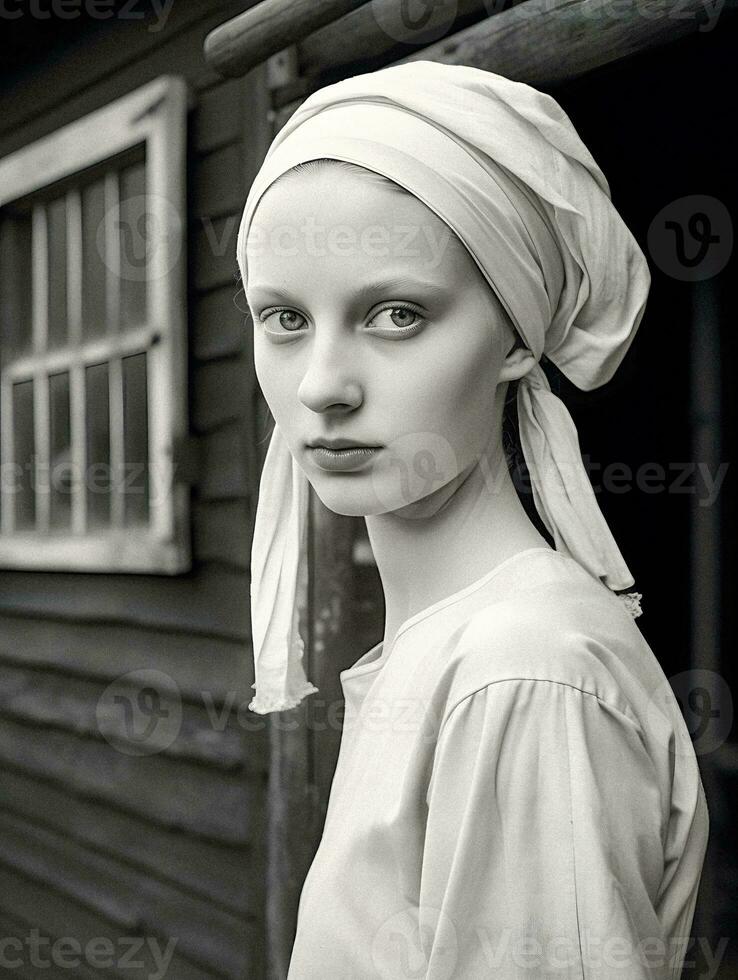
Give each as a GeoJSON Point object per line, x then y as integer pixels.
{"type": "Point", "coordinates": [368, 509]}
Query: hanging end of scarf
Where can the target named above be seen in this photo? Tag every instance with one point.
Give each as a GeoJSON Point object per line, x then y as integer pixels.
{"type": "Point", "coordinates": [264, 705]}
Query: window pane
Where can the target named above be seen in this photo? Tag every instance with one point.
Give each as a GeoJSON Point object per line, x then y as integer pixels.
{"type": "Point", "coordinates": [15, 287]}
{"type": "Point", "coordinates": [25, 504]}
{"type": "Point", "coordinates": [135, 229]}
{"type": "Point", "coordinates": [97, 470]}
{"type": "Point", "coordinates": [93, 264]}
{"type": "Point", "coordinates": [56, 216]}
{"type": "Point", "coordinates": [60, 453]}
{"type": "Point", "coordinates": [136, 442]}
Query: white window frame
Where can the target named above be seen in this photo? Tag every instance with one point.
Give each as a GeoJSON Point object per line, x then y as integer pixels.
{"type": "Point", "coordinates": [154, 115]}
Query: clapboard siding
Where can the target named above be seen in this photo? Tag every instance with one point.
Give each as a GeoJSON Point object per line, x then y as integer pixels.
{"type": "Point", "coordinates": [222, 531]}
{"type": "Point", "coordinates": [203, 868]}
{"type": "Point", "coordinates": [174, 794]}
{"type": "Point", "coordinates": [224, 473]}
{"type": "Point", "coordinates": [218, 328]}
{"type": "Point", "coordinates": [55, 913]}
{"type": "Point", "coordinates": [207, 733]}
{"type": "Point", "coordinates": [215, 253]}
{"type": "Point", "coordinates": [15, 930]}
{"type": "Point", "coordinates": [122, 895]}
{"type": "Point", "coordinates": [217, 118]}
{"type": "Point", "coordinates": [223, 391]}
{"type": "Point", "coordinates": [218, 182]}
{"type": "Point", "coordinates": [105, 650]}
{"type": "Point", "coordinates": [94, 841]}
{"type": "Point", "coordinates": [207, 601]}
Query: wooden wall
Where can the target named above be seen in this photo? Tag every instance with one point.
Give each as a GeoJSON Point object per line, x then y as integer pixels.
{"type": "Point", "coordinates": [94, 841]}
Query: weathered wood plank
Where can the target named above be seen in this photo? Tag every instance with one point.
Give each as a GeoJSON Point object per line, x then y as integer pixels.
{"type": "Point", "coordinates": [17, 950]}
{"type": "Point", "coordinates": [222, 531]}
{"type": "Point", "coordinates": [540, 42]}
{"type": "Point", "coordinates": [214, 243]}
{"type": "Point", "coordinates": [179, 795]}
{"type": "Point", "coordinates": [104, 651]}
{"type": "Point", "coordinates": [220, 328]}
{"type": "Point", "coordinates": [224, 471]}
{"type": "Point", "coordinates": [206, 601]}
{"type": "Point", "coordinates": [379, 33]}
{"type": "Point", "coordinates": [43, 908]}
{"type": "Point", "coordinates": [223, 390]}
{"type": "Point", "coordinates": [230, 877]}
{"type": "Point", "coordinates": [52, 699]}
{"type": "Point", "coordinates": [549, 42]}
{"type": "Point", "coordinates": [217, 116]}
{"type": "Point", "coordinates": [219, 182]}
{"type": "Point", "coordinates": [270, 26]}
{"type": "Point", "coordinates": [125, 897]}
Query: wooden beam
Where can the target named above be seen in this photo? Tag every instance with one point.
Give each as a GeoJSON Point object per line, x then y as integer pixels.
{"type": "Point", "coordinates": [380, 32]}
{"type": "Point", "coordinates": [540, 42]}
{"type": "Point", "coordinates": [549, 42]}
{"type": "Point", "coordinates": [257, 34]}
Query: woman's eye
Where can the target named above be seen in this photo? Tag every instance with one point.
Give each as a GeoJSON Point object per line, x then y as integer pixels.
{"type": "Point", "coordinates": [397, 319]}
{"type": "Point", "coordinates": [288, 320]}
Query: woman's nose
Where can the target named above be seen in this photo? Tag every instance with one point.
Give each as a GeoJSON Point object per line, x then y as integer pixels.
{"type": "Point", "coordinates": [330, 382]}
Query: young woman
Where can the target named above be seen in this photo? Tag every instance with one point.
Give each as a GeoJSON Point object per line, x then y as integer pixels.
{"type": "Point", "coordinates": [516, 793]}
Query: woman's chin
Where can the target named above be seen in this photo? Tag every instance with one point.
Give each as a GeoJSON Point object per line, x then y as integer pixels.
{"type": "Point", "coordinates": [365, 502]}
{"type": "Point", "coordinates": [348, 503]}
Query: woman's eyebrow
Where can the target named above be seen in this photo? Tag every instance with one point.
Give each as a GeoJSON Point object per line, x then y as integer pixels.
{"type": "Point", "coordinates": [365, 291]}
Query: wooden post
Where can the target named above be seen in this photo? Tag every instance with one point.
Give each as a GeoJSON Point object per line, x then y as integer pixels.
{"type": "Point", "coordinates": [705, 547]}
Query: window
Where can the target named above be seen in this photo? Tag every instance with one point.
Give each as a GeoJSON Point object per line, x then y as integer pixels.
{"type": "Point", "coordinates": [93, 341]}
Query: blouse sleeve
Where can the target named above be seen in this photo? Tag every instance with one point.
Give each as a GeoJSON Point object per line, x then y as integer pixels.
{"type": "Point", "coordinates": [543, 853]}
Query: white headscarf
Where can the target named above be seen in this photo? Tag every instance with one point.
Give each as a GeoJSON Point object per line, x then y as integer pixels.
{"type": "Point", "coordinates": [502, 165]}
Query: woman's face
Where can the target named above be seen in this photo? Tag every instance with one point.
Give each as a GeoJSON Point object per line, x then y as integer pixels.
{"type": "Point", "coordinates": [374, 326]}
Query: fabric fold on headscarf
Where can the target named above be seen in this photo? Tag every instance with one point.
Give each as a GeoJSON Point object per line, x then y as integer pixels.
{"type": "Point", "coordinates": [503, 167]}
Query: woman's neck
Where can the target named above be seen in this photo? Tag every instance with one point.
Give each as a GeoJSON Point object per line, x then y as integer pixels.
{"type": "Point", "coordinates": [449, 539]}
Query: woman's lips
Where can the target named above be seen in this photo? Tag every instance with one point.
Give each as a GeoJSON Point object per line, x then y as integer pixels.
{"type": "Point", "coordinates": [343, 460]}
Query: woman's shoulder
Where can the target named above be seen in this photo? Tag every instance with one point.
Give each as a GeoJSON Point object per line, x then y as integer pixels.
{"type": "Point", "coordinates": [554, 624]}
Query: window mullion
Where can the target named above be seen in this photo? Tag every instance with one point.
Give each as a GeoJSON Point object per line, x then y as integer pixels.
{"type": "Point", "coordinates": [7, 446]}
{"type": "Point", "coordinates": [40, 327]}
{"type": "Point", "coordinates": [74, 267]}
{"type": "Point", "coordinates": [41, 437]}
{"type": "Point", "coordinates": [112, 254]}
{"type": "Point", "coordinates": [117, 445]}
{"type": "Point", "coordinates": [76, 369]}
{"type": "Point", "coordinates": [40, 288]}
{"type": "Point", "coordinates": [79, 446]}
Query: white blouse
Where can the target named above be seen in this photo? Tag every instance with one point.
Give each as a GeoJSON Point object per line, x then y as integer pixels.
{"type": "Point", "coordinates": [516, 796]}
